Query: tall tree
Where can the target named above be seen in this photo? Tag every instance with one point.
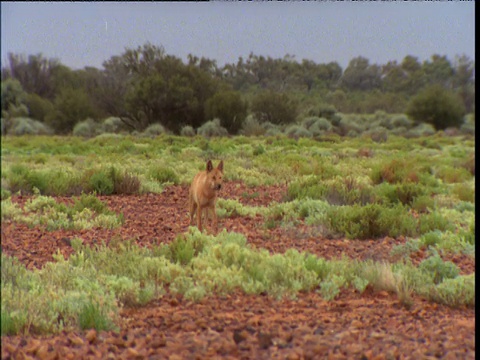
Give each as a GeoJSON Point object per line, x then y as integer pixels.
{"type": "Point", "coordinates": [439, 71]}
{"type": "Point", "coordinates": [464, 80]}
{"type": "Point", "coordinates": [34, 73]}
{"type": "Point", "coordinates": [360, 75]}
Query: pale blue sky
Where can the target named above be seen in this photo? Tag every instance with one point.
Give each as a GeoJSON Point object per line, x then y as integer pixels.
{"type": "Point", "coordinates": [86, 34]}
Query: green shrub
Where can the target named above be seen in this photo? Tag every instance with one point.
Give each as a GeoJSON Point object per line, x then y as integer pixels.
{"type": "Point", "coordinates": [395, 171]}
{"type": "Point", "coordinates": [297, 131]}
{"type": "Point", "coordinates": [101, 182]}
{"type": "Point", "coordinates": [163, 175]}
{"type": "Point", "coordinates": [93, 316]}
{"type": "Point", "coordinates": [26, 126]}
{"type": "Point", "coordinates": [229, 107]}
{"type": "Point", "coordinates": [113, 125]}
{"type": "Point", "coordinates": [456, 292]}
{"type": "Point", "coordinates": [401, 121]}
{"type": "Point", "coordinates": [378, 134]}
{"type": "Point", "coordinates": [408, 192]}
{"type": "Point", "coordinates": [25, 180]}
{"type": "Point", "coordinates": [276, 108]}
{"type": "Point", "coordinates": [155, 129]}
{"type": "Point", "coordinates": [309, 187]}
{"type": "Point", "coordinates": [370, 221]}
{"type": "Point", "coordinates": [317, 125]}
{"type": "Point", "coordinates": [433, 221]}
{"type": "Point", "coordinates": [439, 269]}
{"type": "Point", "coordinates": [71, 106]}
{"type": "Point", "coordinates": [438, 107]}
{"type": "Point", "coordinates": [451, 175]}
{"type": "Point", "coordinates": [125, 183]}
{"type": "Point", "coordinates": [188, 131]}
{"type": "Point", "coordinates": [431, 238]}
{"type": "Point", "coordinates": [423, 203]}
{"type": "Point", "coordinates": [184, 248]}
{"type": "Point", "coordinates": [252, 127]}
{"type": "Point", "coordinates": [212, 128]}
{"type": "Point", "coordinates": [258, 150]}
{"type": "Point", "coordinates": [86, 128]}
{"type": "Point", "coordinates": [326, 111]}
{"type": "Point", "coordinates": [90, 202]}
{"type": "Point", "coordinates": [464, 192]}
{"type": "Point", "coordinates": [423, 129]}
{"type": "Point", "coordinates": [468, 126]}
{"type": "Point", "coordinates": [9, 324]}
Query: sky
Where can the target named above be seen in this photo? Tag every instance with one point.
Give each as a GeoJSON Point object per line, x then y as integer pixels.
{"type": "Point", "coordinates": [83, 34]}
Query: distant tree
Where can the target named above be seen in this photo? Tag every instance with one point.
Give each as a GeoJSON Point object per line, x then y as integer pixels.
{"type": "Point", "coordinates": [13, 95]}
{"type": "Point", "coordinates": [415, 74]}
{"type": "Point", "coordinates": [330, 74]}
{"type": "Point", "coordinates": [155, 87]}
{"type": "Point", "coordinates": [464, 80]}
{"type": "Point", "coordinates": [229, 107]}
{"type": "Point", "coordinates": [38, 107]}
{"type": "Point", "coordinates": [13, 99]}
{"type": "Point", "coordinates": [360, 75]}
{"type": "Point", "coordinates": [70, 107]}
{"type": "Point", "coordinates": [274, 107]}
{"type": "Point", "coordinates": [438, 71]}
{"type": "Point", "coordinates": [436, 106]}
{"type": "Point", "coordinates": [394, 78]}
{"type": "Point", "coordinates": [35, 73]}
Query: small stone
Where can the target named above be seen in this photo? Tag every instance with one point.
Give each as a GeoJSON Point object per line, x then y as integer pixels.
{"type": "Point", "coordinates": [75, 340]}
{"type": "Point", "coordinates": [91, 336]}
{"type": "Point", "coordinates": [264, 340]}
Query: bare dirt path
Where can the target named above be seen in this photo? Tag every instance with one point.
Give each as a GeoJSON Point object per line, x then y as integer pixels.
{"type": "Point", "coordinates": [372, 325]}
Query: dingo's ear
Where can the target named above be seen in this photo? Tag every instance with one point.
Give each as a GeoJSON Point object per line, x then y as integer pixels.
{"type": "Point", "coordinates": [220, 166]}
{"type": "Point", "coordinates": [209, 166]}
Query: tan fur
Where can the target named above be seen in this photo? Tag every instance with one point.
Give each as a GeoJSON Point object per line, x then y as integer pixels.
{"type": "Point", "coordinates": [203, 194]}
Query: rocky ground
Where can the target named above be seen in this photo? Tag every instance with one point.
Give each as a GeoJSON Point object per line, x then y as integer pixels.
{"type": "Point", "coordinates": [371, 325]}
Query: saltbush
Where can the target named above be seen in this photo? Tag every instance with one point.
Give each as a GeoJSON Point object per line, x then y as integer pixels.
{"type": "Point", "coordinates": [27, 126]}
{"type": "Point", "coordinates": [86, 128]}
{"type": "Point", "coordinates": [297, 131]}
{"type": "Point", "coordinates": [188, 131]}
{"type": "Point", "coordinates": [438, 107]}
{"type": "Point", "coordinates": [212, 128]}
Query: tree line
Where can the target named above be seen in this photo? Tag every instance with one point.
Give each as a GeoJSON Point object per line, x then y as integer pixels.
{"type": "Point", "coordinates": [145, 85]}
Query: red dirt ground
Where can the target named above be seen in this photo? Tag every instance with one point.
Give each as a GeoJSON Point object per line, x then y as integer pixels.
{"type": "Point", "coordinates": [371, 325]}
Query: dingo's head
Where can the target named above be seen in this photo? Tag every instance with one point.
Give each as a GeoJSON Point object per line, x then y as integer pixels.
{"type": "Point", "coordinates": [215, 175]}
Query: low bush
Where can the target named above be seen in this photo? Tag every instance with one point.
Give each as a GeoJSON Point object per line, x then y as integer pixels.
{"type": "Point", "coordinates": [26, 126]}
{"type": "Point", "coordinates": [371, 221]}
{"type": "Point", "coordinates": [163, 175]}
{"type": "Point", "coordinates": [87, 128]}
{"type": "Point", "coordinates": [155, 129]}
{"type": "Point", "coordinates": [212, 128]}
{"type": "Point", "coordinates": [297, 131]}
{"type": "Point", "coordinates": [188, 131]}
{"type": "Point", "coordinates": [438, 269]}
{"type": "Point", "coordinates": [252, 127]}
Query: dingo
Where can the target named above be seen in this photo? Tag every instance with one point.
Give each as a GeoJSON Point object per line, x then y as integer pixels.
{"type": "Point", "coordinates": [203, 194]}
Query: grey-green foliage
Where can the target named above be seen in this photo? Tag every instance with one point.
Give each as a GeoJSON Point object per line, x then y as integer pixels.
{"type": "Point", "coordinates": [85, 290]}
{"type": "Point", "coordinates": [187, 131]}
{"type": "Point", "coordinates": [155, 129]}
{"type": "Point", "coordinates": [297, 131]}
{"type": "Point", "coordinates": [27, 126]}
{"type": "Point", "coordinates": [252, 127]}
{"type": "Point", "coordinates": [87, 212]}
{"type": "Point", "coordinates": [456, 292]}
{"type": "Point", "coordinates": [317, 125]}
{"type": "Point", "coordinates": [212, 128]}
{"type": "Point", "coordinates": [439, 269]}
{"type": "Point", "coordinates": [86, 128]}
{"type": "Point", "coordinates": [113, 125]}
